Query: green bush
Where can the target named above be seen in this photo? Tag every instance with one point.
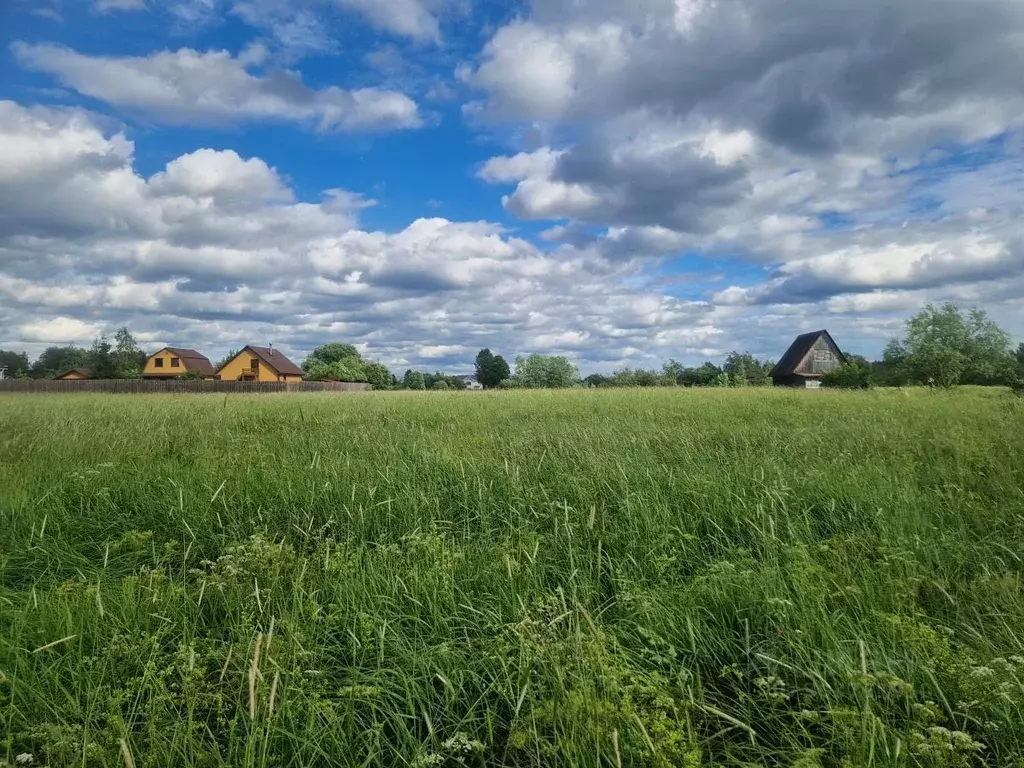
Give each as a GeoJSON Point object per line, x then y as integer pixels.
{"type": "Point", "coordinates": [346, 369]}
{"type": "Point", "coordinates": [849, 376]}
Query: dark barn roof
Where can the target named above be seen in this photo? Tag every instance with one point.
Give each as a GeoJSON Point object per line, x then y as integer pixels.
{"type": "Point", "coordinates": [798, 350]}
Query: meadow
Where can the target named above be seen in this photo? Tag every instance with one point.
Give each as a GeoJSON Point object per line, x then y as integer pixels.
{"type": "Point", "coordinates": [664, 578]}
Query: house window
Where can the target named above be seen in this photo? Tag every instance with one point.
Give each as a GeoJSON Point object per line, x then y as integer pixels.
{"type": "Point", "coordinates": [175, 362]}
{"type": "Point", "coordinates": [158, 363]}
{"type": "Point", "coordinates": [255, 365]}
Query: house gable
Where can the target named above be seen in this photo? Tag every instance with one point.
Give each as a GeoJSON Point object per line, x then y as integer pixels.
{"type": "Point", "coordinates": [259, 364]}
{"type": "Point", "coordinates": [823, 356]}
{"type": "Point", "coordinates": [171, 362]}
{"type": "Point", "coordinates": [810, 355]}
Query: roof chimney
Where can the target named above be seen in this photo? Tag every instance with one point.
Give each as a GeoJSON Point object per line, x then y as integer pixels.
{"type": "Point", "coordinates": [271, 348]}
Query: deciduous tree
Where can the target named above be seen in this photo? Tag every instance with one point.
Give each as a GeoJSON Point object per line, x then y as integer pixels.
{"type": "Point", "coordinates": [537, 371]}
{"type": "Point", "coordinates": [491, 369]}
{"type": "Point", "coordinates": [331, 353]}
{"type": "Point", "coordinates": [378, 375]}
{"type": "Point", "coordinates": [745, 370]}
{"type": "Point", "coordinates": [336, 361]}
{"type": "Point", "coordinates": [101, 359]}
{"type": "Point", "coordinates": [705, 375]}
{"type": "Point", "coordinates": [346, 369]}
{"type": "Point", "coordinates": [942, 346]}
{"type": "Point", "coordinates": [56, 360]}
{"type": "Point", "coordinates": [16, 363]}
{"type": "Point", "coordinates": [128, 357]}
{"type": "Point", "coordinates": [414, 380]}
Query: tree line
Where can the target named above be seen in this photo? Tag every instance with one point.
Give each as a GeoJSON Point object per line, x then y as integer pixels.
{"type": "Point", "coordinates": [941, 346]}
{"type": "Point", "coordinates": [740, 369]}
{"type": "Point", "coordinates": [120, 358]}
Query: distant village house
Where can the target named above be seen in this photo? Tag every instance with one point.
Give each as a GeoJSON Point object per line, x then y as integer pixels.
{"type": "Point", "coordinates": [172, 362]}
{"type": "Point", "coordinates": [809, 357]}
{"type": "Point", "coordinates": [75, 374]}
{"type": "Point", "coordinates": [260, 364]}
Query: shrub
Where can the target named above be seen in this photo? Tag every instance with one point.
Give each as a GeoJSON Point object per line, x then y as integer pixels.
{"type": "Point", "coordinates": [378, 375]}
{"type": "Point", "coordinates": [849, 376]}
{"type": "Point", "coordinates": [541, 371]}
{"type": "Point", "coordinates": [347, 369]}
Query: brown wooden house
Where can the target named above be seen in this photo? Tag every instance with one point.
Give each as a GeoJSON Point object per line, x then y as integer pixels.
{"type": "Point", "coordinates": [808, 357]}
{"type": "Point", "coordinates": [75, 374]}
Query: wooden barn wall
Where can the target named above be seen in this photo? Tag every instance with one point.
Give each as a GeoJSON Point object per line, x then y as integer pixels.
{"type": "Point", "coordinates": [811, 365]}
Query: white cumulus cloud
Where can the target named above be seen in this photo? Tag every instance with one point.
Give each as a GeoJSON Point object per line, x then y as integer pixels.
{"type": "Point", "coordinates": [187, 86]}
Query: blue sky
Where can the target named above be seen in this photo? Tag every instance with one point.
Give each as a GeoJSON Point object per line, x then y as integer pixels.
{"type": "Point", "coordinates": [407, 171]}
{"type": "Point", "coordinates": [620, 182]}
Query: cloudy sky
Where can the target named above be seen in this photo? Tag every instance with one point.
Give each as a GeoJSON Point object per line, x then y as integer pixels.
{"type": "Point", "coordinates": [619, 181]}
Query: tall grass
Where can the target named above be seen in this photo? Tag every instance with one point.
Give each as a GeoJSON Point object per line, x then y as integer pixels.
{"type": "Point", "coordinates": [649, 578]}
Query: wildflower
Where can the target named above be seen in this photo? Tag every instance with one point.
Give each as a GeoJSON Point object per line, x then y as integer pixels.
{"type": "Point", "coordinates": [964, 741]}
{"type": "Point", "coordinates": [461, 743]}
{"type": "Point", "coordinates": [24, 759]}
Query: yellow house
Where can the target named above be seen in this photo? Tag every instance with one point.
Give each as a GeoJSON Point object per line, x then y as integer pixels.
{"type": "Point", "coordinates": [75, 374]}
{"type": "Point", "coordinates": [259, 364]}
{"type": "Point", "coordinates": [171, 362]}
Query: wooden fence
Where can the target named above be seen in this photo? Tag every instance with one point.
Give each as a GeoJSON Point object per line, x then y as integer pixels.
{"type": "Point", "coordinates": [173, 386]}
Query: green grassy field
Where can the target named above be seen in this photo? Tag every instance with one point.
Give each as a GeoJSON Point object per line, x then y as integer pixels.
{"type": "Point", "coordinates": [642, 578]}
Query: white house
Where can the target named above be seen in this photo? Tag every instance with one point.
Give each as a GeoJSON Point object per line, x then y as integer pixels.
{"type": "Point", "coordinates": [471, 382]}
